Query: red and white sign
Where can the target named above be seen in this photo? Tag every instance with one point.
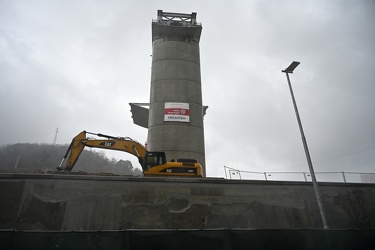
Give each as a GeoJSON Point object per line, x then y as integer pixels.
{"type": "Point", "coordinates": [176, 112]}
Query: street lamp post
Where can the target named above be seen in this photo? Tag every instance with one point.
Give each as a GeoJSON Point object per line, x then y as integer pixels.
{"type": "Point", "coordinates": [288, 71]}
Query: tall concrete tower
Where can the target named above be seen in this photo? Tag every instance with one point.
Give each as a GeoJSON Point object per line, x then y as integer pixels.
{"type": "Point", "coordinates": [175, 121]}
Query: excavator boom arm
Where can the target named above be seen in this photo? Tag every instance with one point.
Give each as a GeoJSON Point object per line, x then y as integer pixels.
{"type": "Point", "coordinates": [112, 143]}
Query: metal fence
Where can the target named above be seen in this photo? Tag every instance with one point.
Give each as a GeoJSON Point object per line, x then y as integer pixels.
{"type": "Point", "coordinates": [340, 177]}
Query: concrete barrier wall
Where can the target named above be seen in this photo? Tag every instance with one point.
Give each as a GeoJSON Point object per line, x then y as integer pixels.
{"type": "Point", "coordinates": [73, 202]}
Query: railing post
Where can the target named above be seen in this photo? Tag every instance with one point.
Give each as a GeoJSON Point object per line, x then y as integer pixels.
{"type": "Point", "coordinates": [343, 176]}
{"type": "Point", "coordinates": [304, 175]}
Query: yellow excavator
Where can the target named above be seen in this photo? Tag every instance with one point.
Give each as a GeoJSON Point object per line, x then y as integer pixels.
{"type": "Point", "coordinates": [153, 163]}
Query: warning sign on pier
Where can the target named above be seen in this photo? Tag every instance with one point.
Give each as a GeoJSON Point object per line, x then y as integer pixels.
{"type": "Point", "coordinates": [176, 112]}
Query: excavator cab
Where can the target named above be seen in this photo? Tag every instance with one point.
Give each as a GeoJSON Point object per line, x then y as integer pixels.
{"type": "Point", "coordinates": [153, 159]}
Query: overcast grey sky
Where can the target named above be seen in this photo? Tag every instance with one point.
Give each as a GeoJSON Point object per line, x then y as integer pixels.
{"type": "Point", "coordinates": [76, 65]}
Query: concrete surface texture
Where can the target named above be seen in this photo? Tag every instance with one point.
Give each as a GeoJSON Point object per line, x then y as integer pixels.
{"type": "Point", "coordinates": [71, 202]}
{"type": "Point", "coordinates": [176, 79]}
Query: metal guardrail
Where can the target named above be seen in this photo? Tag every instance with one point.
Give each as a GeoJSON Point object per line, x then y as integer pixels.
{"type": "Point", "coordinates": [340, 177]}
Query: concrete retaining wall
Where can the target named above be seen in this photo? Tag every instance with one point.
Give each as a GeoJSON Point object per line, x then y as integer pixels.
{"type": "Point", "coordinates": [72, 202]}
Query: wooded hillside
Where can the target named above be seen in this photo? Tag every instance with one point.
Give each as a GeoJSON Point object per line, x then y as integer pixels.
{"type": "Point", "coordinates": [48, 157]}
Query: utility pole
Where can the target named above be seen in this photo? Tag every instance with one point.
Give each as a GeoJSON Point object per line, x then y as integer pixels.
{"type": "Point", "coordinates": [17, 161]}
{"type": "Point", "coordinates": [54, 140]}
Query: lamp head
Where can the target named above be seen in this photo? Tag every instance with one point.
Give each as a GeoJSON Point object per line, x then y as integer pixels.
{"type": "Point", "coordinates": [291, 67]}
